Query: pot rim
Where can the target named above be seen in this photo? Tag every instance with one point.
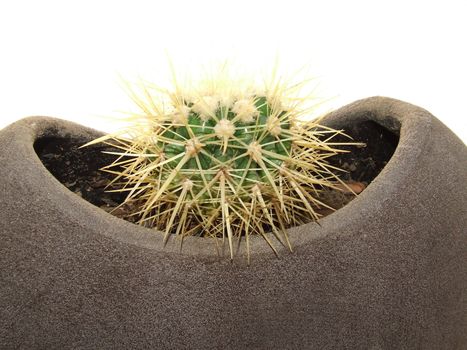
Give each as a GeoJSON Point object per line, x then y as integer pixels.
{"type": "Point", "coordinates": [411, 122]}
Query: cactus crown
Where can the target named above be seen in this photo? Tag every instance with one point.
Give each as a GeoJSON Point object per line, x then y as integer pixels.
{"type": "Point", "coordinates": [223, 164]}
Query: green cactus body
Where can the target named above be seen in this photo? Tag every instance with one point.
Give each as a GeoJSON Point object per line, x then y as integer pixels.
{"type": "Point", "coordinates": [234, 159]}
{"type": "Point", "coordinates": [224, 168]}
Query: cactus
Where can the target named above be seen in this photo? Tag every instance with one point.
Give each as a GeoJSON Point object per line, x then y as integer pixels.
{"type": "Point", "coordinates": [222, 163]}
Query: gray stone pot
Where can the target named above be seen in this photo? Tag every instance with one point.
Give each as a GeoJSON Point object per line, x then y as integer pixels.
{"type": "Point", "coordinates": [387, 271]}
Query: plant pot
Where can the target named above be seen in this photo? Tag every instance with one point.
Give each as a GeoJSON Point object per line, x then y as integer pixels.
{"type": "Point", "coordinates": [387, 271]}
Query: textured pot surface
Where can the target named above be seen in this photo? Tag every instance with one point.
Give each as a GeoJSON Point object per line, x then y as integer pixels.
{"type": "Point", "coordinates": [387, 271]}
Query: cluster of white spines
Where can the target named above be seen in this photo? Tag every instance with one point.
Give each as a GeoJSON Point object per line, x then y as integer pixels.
{"type": "Point", "coordinates": [206, 106]}
{"type": "Point", "coordinates": [274, 125]}
{"type": "Point", "coordinates": [245, 110]}
{"type": "Point", "coordinates": [224, 129]}
{"type": "Point", "coordinates": [180, 115]}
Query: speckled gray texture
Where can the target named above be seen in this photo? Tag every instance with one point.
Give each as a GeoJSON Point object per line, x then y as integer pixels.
{"type": "Point", "coordinates": [388, 271]}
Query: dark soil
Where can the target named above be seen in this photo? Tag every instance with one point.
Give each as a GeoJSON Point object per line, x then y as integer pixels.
{"type": "Point", "coordinates": [363, 164]}
{"type": "Point", "coordinates": [78, 168]}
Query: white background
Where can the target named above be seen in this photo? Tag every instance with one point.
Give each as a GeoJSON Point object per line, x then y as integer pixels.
{"type": "Point", "coordinates": [62, 58]}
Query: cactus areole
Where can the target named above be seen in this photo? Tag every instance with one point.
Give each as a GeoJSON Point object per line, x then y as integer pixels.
{"type": "Point", "coordinates": [224, 165]}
